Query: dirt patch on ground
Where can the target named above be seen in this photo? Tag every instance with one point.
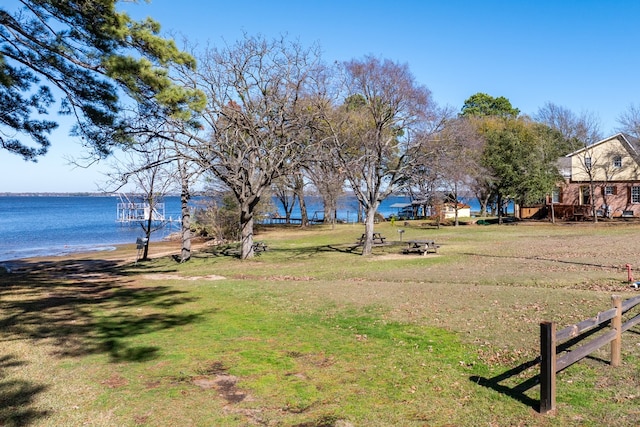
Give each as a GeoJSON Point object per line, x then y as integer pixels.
{"type": "Point", "coordinates": [115, 381]}
{"type": "Point", "coordinates": [224, 384]}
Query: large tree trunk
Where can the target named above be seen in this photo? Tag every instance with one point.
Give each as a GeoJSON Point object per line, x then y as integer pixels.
{"type": "Point", "coordinates": [246, 231]}
{"type": "Point", "coordinates": [326, 208]}
{"type": "Point", "coordinates": [185, 195]}
{"type": "Point", "coordinates": [299, 191]}
{"type": "Point", "coordinates": [594, 212]}
{"type": "Point", "coordinates": [369, 223]}
{"type": "Point", "coordinates": [185, 252]}
{"type": "Point", "coordinates": [288, 208]}
{"type": "Point", "coordinates": [304, 215]}
{"type": "Point", "coordinates": [455, 204]}
{"type": "Point", "coordinates": [483, 199]}
{"type": "Point", "coordinates": [147, 234]}
{"type": "Point", "coordinates": [334, 212]}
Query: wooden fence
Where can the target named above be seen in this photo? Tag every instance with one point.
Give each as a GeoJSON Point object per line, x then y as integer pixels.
{"type": "Point", "coordinates": [551, 363]}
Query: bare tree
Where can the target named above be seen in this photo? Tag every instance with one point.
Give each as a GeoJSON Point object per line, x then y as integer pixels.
{"type": "Point", "coordinates": [145, 168]}
{"type": "Point", "coordinates": [578, 130]}
{"type": "Point", "coordinates": [629, 121]}
{"type": "Point", "coordinates": [423, 187]}
{"type": "Point", "coordinates": [328, 178]}
{"type": "Point", "coordinates": [589, 164]}
{"type": "Point", "coordinates": [254, 121]}
{"type": "Point", "coordinates": [378, 129]}
{"type": "Point", "coordinates": [162, 133]}
{"type": "Point", "coordinates": [298, 190]}
{"type": "Point", "coordinates": [289, 190]}
{"type": "Point", "coordinates": [457, 155]}
{"type": "Point", "coordinates": [283, 190]}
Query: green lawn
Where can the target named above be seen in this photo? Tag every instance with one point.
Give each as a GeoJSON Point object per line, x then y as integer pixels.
{"type": "Point", "coordinates": [310, 333]}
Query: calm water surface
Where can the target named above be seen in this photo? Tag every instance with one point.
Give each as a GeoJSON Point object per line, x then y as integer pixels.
{"type": "Point", "coordinates": [42, 225]}
{"type": "Point", "coordinates": [58, 225]}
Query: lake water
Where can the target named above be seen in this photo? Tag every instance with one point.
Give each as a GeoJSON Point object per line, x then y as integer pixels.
{"type": "Point", "coordinates": [58, 225]}
{"type": "Point", "coordinates": [43, 225]}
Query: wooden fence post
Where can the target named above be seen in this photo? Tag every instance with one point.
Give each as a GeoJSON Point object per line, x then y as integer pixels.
{"type": "Point", "coordinates": [616, 324]}
{"type": "Point", "coordinates": [547, 367]}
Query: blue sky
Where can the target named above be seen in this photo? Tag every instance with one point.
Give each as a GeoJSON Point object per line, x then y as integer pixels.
{"type": "Point", "coordinates": [582, 55]}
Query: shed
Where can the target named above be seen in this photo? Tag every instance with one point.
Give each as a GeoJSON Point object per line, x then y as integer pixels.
{"type": "Point", "coordinates": [449, 210]}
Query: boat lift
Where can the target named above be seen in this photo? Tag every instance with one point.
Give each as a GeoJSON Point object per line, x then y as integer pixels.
{"type": "Point", "coordinates": [128, 212]}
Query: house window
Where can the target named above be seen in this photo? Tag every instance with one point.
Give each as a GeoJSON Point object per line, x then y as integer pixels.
{"type": "Point", "coordinates": [587, 162]}
{"type": "Point", "coordinates": [556, 195]}
{"type": "Point", "coordinates": [635, 194]}
{"type": "Point", "coordinates": [610, 190]}
{"type": "Point", "coordinates": [585, 195]}
{"type": "Point", "coordinates": [617, 162]}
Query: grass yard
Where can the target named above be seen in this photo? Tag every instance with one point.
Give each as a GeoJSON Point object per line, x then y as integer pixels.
{"type": "Point", "coordinates": [311, 334]}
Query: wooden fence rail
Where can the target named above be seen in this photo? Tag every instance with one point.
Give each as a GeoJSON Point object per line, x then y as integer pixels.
{"type": "Point", "coordinates": [551, 363]}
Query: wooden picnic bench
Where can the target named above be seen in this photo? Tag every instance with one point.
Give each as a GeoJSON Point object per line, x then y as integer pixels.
{"type": "Point", "coordinates": [259, 247]}
{"type": "Point", "coordinates": [378, 239]}
{"type": "Point", "coordinates": [422, 247]}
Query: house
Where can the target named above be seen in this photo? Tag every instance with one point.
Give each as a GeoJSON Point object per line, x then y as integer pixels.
{"type": "Point", "coordinates": [449, 210]}
{"type": "Point", "coordinates": [602, 179]}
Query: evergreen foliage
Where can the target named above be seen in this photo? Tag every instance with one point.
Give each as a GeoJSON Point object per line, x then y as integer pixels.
{"type": "Point", "coordinates": [94, 57]}
{"type": "Point", "coordinates": [481, 104]}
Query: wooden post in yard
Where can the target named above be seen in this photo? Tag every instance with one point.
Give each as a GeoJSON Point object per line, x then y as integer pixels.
{"type": "Point", "coordinates": [547, 367]}
{"type": "Point", "coordinates": [616, 324]}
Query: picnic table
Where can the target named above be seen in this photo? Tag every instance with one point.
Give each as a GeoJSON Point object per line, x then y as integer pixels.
{"type": "Point", "coordinates": [422, 247]}
{"type": "Point", "coordinates": [259, 247]}
{"type": "Point", "coordinates": [378, 239]}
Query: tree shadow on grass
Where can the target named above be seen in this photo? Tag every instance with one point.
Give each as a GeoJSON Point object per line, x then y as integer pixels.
{"type": "Point", "coordinates": [82, 307]}
{"type": "Point", "coordinates": [354, 249]}
{"type": "Point", "coordinates": [297, 252]}
{"type": "Point", "coordinates": [86, 307]}
{"type": "Point", "coordinates": [17, 396]}
{"type": "Point", "coordinates": [345, 248]}
{"type": "Point", "coordinates": [79, 308]}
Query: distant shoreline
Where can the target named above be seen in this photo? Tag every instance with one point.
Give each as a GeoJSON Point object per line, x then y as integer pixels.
{"type": "Point", "coordinates": [54, 194]}
{"type": "Point", "coordinates": [81, 194]}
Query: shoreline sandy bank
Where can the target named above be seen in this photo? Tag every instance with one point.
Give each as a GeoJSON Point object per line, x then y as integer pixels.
{"type": "Point", "coordinates": [118, 253]}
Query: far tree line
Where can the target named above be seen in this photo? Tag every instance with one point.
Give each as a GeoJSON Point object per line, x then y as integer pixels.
{"type": "Point", "coordinates": [261, 117]}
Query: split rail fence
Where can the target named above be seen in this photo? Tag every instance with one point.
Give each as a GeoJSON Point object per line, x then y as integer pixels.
{"type": "Point", "coordinates": [551, 363]}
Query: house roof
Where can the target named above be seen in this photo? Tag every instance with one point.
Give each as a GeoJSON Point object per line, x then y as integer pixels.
{"type": "Point", "coordinates": [632, 144]}
{"type": "Point", "coordinates": [460, 205]}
